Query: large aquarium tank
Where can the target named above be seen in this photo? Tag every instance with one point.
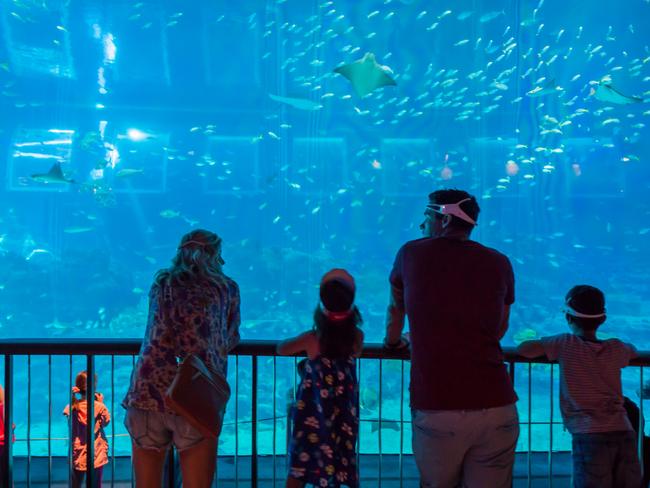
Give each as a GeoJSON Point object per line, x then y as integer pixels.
{"type": "Point", "coordinates": [308, 134]}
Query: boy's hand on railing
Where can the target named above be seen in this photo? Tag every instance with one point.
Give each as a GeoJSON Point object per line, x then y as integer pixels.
{"type": "Point", "coordinates": [99, 397]}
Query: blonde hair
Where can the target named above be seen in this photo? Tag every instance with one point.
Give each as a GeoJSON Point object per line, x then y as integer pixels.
{"type": "Point", "coordinates": [198, 259]}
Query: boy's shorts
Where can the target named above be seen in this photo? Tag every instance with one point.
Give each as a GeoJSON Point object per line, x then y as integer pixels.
{"type": "Point", "coordinates": [156, 430]}
{"type": "Point", "coordinates": [606, 459]}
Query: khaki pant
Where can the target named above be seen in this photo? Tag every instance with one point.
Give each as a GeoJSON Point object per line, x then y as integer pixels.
{"type": "Point", "coordinates": [467, 448]}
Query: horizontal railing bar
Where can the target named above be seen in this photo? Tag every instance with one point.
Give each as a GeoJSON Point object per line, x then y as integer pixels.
{"type": "Point", "coordinates": [131, 347]}
{"type": "Point", "coordinates": [364, 419]}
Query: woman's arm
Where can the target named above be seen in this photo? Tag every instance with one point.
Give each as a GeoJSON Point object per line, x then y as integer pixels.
{"type": "Point", "coordinates": [302, 343]}
{"type": "Point", "coordinates": [234, 319]}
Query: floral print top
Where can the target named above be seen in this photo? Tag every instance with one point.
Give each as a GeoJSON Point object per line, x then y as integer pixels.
{"type": "Point", "coordinates": [202, 319]}
{"type": "Point", "coordinates": [326, 424]}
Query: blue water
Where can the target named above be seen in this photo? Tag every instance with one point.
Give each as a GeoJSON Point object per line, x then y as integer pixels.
{"type": "Point", "coordinates": [162, 113]}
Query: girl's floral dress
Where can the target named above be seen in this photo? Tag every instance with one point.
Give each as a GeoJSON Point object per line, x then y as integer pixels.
{"type": "Point", "coordinates": [325, 424]}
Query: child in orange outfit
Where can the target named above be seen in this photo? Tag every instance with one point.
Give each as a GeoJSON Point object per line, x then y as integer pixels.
{"type": "Point", "coordinates": [79, 425]}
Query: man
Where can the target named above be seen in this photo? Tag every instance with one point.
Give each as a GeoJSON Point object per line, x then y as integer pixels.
{"type": "Point", "coordinates": [457, 295]}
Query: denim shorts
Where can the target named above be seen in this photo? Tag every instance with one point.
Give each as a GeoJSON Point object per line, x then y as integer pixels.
{"type": "Point", "coordinates": [606, 459]}
{"type": "Point", "coordinates": [156, 430]}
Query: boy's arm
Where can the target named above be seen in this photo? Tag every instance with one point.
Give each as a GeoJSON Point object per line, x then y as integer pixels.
{"type": "Point", "coordinates": [295, 345]}
{"type": "Point", "coordinates": [531, 349]}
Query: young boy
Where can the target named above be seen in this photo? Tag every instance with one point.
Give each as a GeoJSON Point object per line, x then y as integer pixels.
{"type": "Point", "coordinates": [591, 398]}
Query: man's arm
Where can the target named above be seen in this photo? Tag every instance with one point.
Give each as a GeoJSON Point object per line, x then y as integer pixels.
{"type": "Point", "coordinates": [531, 349]}
{"type": "Point", "coordinates": [505, 321]}
{"type": "Point", "coordinates": [395, 316]}
{"type": "Point", "coordinates": [396, 309]}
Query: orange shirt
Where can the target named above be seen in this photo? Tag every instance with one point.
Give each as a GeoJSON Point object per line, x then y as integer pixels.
{"type": "Point", "coordinates": [79, 425]}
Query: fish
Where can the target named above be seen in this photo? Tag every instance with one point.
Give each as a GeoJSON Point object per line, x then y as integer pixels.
{"type": "Point", "coordinates": [607, 93]}
{"type": "Point", "coordinates": [169, 214]}
{"type": "Point", "coordinates": [77, 230]}
{"type": "Point", "coordinates": [490, 16]}
{"type": "Point", "coordinates": [299, 103]}
{"type": "Point", "coordinates": [54, 175]}
{"type": "Point", "coordinates": [384, 424]}
{"type": "Point", "coordinates": [611, 121]}
{"type": "Point", "coordinates": [129, 172]}
{"type": "Point", "coordinates": [548, 89]}
{"type": "Point", "coordinates": [366, 75]}
{"type": "Point", "coordinates": [525, 334]}
{"type": "Point", "coordinates": [36, 252]}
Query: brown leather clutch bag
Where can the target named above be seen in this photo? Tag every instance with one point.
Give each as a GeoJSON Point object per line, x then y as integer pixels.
{"type": "Point", "coordinates": [199, 395]}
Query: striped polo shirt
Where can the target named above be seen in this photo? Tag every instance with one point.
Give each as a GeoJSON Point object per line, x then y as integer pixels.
{"type": "Point", "coordinates": [591, 397]}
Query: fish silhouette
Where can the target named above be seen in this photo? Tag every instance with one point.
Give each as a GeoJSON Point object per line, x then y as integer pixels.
{"type": "Point", "coordinates": [299, 103]}
{"type": "Point", "coordinates": [54, 175]}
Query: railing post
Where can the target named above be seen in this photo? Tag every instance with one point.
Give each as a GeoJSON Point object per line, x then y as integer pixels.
{"type": "Point", "coordinates": [171, 474]}
{"type": "Point", "coordinates": [29, 421]}
{"type": "Point", "coordinates": [49, 420]}
{"type": "Point", "coordinates": [641, 425]}
{"type": "Point", "coordinates": [7, 459]}
{"type": "Point", "coordinates": [90, 420]}
{"type": "Point", "coordinates": [254, 426]}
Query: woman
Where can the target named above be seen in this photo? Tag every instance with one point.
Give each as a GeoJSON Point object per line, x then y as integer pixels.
{"type": "Point", "coordinates": [193, 308]}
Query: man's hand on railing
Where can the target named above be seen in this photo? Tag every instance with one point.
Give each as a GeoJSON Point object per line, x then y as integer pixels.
{"type": "Point", "coordinates": [402, 343]}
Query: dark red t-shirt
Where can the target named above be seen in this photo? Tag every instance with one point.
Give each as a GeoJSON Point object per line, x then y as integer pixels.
{"type": "Point", "coordinates": [454, 295]}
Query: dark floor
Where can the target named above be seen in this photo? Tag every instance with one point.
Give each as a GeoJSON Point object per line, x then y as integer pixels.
{"type": "Point", "coordinates": [369, 467]}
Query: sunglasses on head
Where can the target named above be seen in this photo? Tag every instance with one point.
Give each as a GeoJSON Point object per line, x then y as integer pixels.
{"type": "Point", "coordinates": [452, 209]}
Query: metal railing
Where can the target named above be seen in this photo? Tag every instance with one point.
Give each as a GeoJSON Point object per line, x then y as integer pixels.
{"type": "Point", "coordinates": [375, 363]}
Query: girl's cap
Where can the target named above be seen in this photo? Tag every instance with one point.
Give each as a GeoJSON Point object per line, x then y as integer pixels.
{"type": "Point", "coordinates": [340, 275]}
{"type": "Point", "coordinates": [337, 290]}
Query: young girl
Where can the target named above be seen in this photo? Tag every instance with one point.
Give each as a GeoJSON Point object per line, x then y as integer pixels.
{"type": "Point", "coordinates": [79, 425]}
{"type": "Point", "coordinates": [325, 417]}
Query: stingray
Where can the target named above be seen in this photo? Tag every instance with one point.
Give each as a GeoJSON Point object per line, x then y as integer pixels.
{"type": "Point", "coordinates": [299, 103]}
{"type": "Point", "coordinates": [366, 75]}
{"type": "Point", "coordinates": [54, 175]}
{"type": "Point", "coordinates": [607, 93]}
